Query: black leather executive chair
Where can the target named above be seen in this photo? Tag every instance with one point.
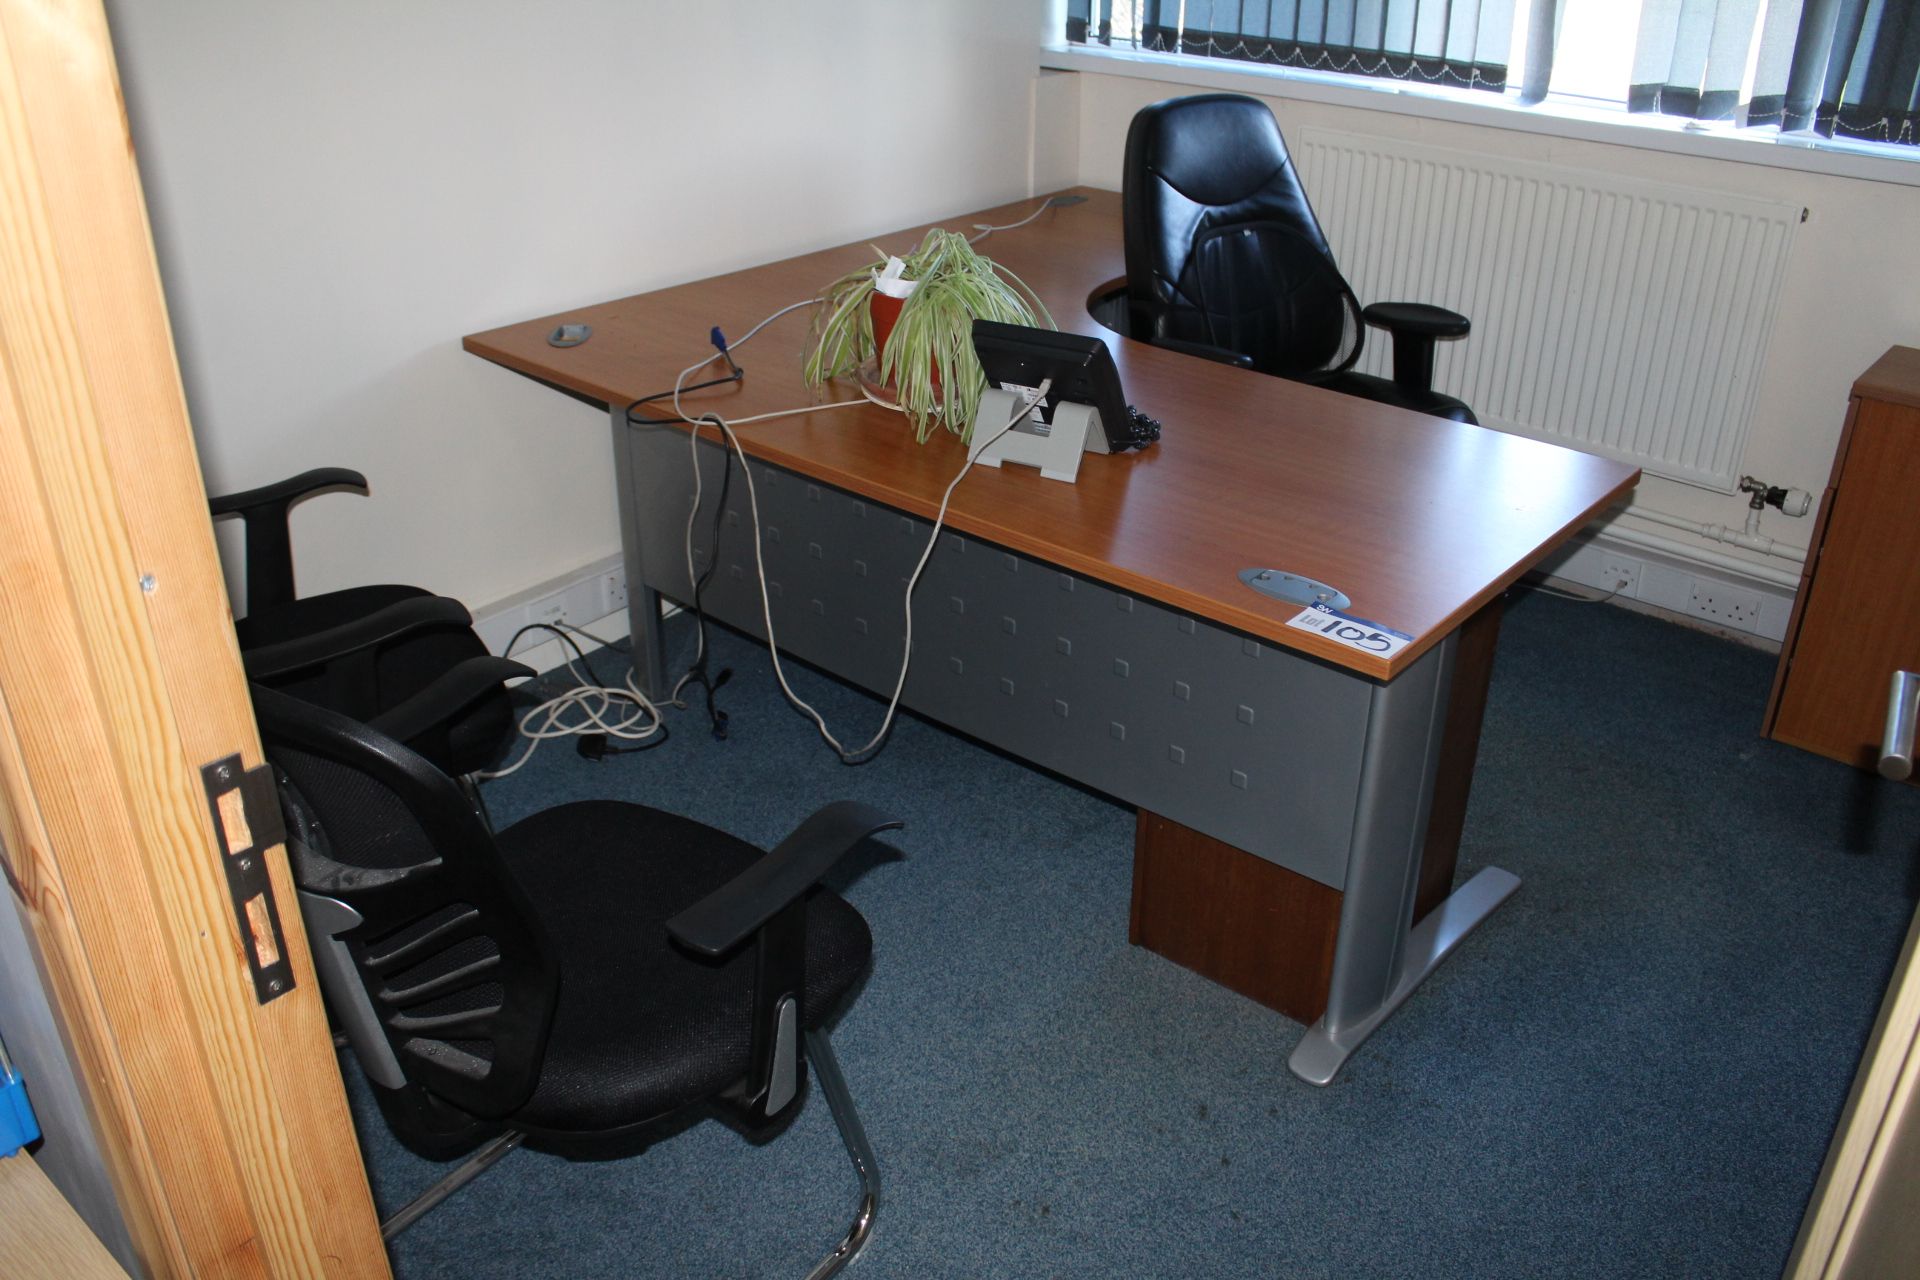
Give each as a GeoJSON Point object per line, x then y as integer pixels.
{"type": "Point", "coordinates": [573, 981]}
{"type": "Point", "coordinates": [1226, 260]}
{"type": "Point", "coordinates": [365, 650]}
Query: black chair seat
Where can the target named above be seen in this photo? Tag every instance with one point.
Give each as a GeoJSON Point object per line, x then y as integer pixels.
{"type": "Point", "coordinates": [1386, 391]}
{"type": "Point", "coordinates": [303, 617]}
{"type": "Point", "coordinates": [642, 1026]}
{"type": "Point", "coordinates": [582, 981]}
{"type": "Point", "coordinates": [475, 740]}
{"type": "Point", "coordinates": [311, 649]}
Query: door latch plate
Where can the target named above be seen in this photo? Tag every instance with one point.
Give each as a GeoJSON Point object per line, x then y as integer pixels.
{"type": "Point", "coordinates": [247, 821]}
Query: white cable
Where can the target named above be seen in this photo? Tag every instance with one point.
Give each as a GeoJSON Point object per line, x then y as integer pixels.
{"type": "Point", "coordinates": [860, 754]}
{"type": "Point", "coordinates": [700, 651]}
{"type": "Point", "coordinates": [585, 708]}
{"type": "Point", "coordinates": [726, 427]}
{"type": "Point", "coordinates": [986, 229]}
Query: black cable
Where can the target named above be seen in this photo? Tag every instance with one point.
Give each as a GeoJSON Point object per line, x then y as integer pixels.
{"type": "Point", "coordinates": [736, 375]}
{"type": "Point", "coordinates": [565, 639]}
{"type": "Point", "coordinates": [632, 421]}
{"type": "Point", "coordinates": [697, 674]}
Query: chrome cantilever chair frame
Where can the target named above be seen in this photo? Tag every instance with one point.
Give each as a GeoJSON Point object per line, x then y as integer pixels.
{"type": "Point", "coordinates": [375, 894]}
{"type": "Point", "coordinates": [327, 918]}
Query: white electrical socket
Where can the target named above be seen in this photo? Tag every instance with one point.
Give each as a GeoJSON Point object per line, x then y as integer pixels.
{"type": "Point", "coordinates": [576, 604]}
{"type": "Point", "coordinates": [598, 592]}
{"type": "Point", "coordinates": [1727, 605]}
{"type": "Point", "coordinates": [613, 591]}
{"type": "Point", "coordinates": [1621, 574]}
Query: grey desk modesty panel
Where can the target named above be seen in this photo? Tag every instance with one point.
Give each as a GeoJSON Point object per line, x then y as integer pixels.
{"type": "Point", "coordinates": [1321, 770]}
{"type": "Point", "coordinates": [1255, 745]}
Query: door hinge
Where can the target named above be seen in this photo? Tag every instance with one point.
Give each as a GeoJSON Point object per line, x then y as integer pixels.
{"type": "Point", "coordinates": [246, 817]}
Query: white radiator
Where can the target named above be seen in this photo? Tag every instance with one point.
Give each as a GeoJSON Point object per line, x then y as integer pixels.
{"type": "Point", "coordinates": [1625, 318]}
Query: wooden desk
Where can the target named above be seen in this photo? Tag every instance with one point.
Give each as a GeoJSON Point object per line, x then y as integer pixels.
{"type": "Point", "coordinates": [1099, 629]}
{"type": "Point", "coordinates": [41, 1235]}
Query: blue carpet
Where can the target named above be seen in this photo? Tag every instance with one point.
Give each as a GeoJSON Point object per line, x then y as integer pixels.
{"type": "Point", "coordinates": [1632, 1070]}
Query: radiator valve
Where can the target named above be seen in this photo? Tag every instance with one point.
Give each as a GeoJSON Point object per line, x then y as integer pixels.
{"type": "Point", "coordinates": [1793, 502]}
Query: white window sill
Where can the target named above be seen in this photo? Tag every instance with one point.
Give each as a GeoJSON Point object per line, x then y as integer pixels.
{"type": "Point", "coordinates": [1478, 107]}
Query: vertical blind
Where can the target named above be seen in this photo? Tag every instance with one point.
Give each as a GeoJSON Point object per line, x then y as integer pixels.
{"type": "Point", "coordinates": [1856, 70]}
{"type": "Point", "coordinates": [1850, 67]}
{"type": "Point", "coordinates": [1845, 67]}
{"type": "Point", "coordinates": [1463, 43]}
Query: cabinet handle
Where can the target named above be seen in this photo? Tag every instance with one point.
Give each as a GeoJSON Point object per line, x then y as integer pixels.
{"type": "Point", "coordinates": [1896, 749]}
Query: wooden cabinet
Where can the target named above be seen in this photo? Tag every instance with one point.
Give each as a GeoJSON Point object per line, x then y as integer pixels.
{"type": "Point", "coordinates": [1857, 617]}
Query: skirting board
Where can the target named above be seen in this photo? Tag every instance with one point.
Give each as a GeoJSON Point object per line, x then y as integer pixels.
{"type": "Point", "coordinates": [1751, 610]}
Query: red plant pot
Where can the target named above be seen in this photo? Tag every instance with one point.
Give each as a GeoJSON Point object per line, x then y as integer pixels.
{"type": "Point", "coordinates": [885, 313]}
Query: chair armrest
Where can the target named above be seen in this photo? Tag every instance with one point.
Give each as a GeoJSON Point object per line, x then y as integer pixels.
{"type": "Point", "coordinates": [1415, 326]}
{"type": "Point", "coordinates": [401, 618]}
{"type": "Point", "coordinates": [1206, 351]}
{"type": "Point", "coordinates": [437, 704]}
{"type": "Point", "coordinates": [726, 917]}
{"type": "Point", "coordinates": [288, 491]}
{"type": "Point", "coordinates": [269, 545]}
{"type": "Point", "coordinates": [1419, 318]}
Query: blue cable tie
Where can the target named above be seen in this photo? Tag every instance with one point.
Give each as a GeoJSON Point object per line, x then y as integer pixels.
{"type": "Point", "coordinates": [17, 1125]}
{"type": "Point", "coordinates": [718, 339]}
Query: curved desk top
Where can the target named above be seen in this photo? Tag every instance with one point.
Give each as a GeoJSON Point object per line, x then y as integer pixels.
{"type": "Point", "coordinates": [1419, 520]}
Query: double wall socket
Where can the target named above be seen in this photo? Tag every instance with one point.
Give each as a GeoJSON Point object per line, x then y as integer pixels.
{"type": "Point", "coordinates": [578, 600]}
{"type": "Point", "coordinates": [1728, 605]}
{"type": "Point", "coordinates": [1690, 592]}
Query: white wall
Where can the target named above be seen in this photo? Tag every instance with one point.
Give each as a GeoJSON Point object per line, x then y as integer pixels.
{"type": "Point", "coordinates": [340, 191]}
{"type": "Point", "coordinates": [1852, 288]}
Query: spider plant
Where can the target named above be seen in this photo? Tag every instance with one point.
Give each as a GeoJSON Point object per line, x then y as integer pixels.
{"type": "Point", "coordinates": [929, 361]}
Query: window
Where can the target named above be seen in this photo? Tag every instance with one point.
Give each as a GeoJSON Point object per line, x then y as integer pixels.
{"type": "Point", "coordinates": [1816, 68]}
{"type": "Point", "coordinates": [1458, 43]}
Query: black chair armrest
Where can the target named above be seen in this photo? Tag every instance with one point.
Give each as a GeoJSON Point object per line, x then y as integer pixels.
{"type": "Point", "coordinates": [725, 918]}
{"type": "Point", "coordinates": [1206, 351]}
{"type": "Point", "coordinates": [269, 545]}
{"type": "Point", "coordinates": [403, 617]}
{"type": "Point", "coordinates": [1415, 326]}
{"type": "Point", "coordinates": [288, 491]}
{"type": "Point", "coordinates": [1417, 318]}
{"type": "Point", "coordinates": [435, 706]}
{"type": "Point", "coordinates": [767, 901]}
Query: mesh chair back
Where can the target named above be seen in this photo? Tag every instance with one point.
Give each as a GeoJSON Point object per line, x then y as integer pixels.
{"type": "Point", "coordinates": [455, 966]}
{"type": "Point", "coordinates": [1222, 246]}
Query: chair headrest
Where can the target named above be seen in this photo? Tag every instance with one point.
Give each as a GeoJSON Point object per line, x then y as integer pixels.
{"type": "Point", "coordinates": [1214, 149]}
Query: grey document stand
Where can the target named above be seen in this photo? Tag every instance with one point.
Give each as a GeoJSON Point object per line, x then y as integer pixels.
{"type": "Point", "coordinates": [1055, 449]}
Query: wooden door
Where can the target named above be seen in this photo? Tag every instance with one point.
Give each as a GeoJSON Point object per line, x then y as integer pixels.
{"type": "Point", "coordinates": [222, 1118]}
{"type": "Point", "coordinates": [1860, 1223]}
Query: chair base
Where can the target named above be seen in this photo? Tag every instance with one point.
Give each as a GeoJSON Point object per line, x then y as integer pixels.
{"type": "Point", "coordinates": [833, 1085]}
{"type": "Point", "coordinates": [467, 1170]}
{"type": "Point", "coordinates": [826, 1069]}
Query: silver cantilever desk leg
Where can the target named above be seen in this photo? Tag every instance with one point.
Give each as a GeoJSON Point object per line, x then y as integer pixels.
{"type": "Point", "coordinates": [644, 628]}
{"type": "Point", "coordinates": [1378, 960]}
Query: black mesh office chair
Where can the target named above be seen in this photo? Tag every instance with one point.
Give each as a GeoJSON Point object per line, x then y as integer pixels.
{"type": "Point", "coordinates": [365, 650]}
{"type": "Point", "coordinates": [1225, 259]}
{"type": "Point", "coordinates": [573, 980]}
